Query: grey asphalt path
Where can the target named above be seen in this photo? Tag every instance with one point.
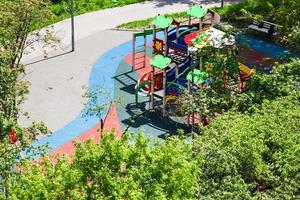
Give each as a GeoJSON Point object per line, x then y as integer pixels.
{"type": "Point", "coordinates": [56, 83]}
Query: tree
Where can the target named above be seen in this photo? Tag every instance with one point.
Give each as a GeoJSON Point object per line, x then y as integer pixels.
{"type": "Point", "coordinates": [19, 20]}
{"type": "Point", "coordinates": [253, 156]}
{"type": "Point", "coordinates": [237, 157]}
{"type": "Point", "coordinates": [282, 80]}
{"type": "Point", "coordinates": [217, 97]}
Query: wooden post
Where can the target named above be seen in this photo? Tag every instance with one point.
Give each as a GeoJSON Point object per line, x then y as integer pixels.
{"type": "Point", "coordinates": [213, 19]}
{"type": "Point", "coordinates": [145, 47]}
{"type": "Point", "coordinates": [177, 70]}
{"type": "Point", "coordinates": [200, 23]}
{"type": "Point", "coordinates": [165, 42]}
{"type": "Point", "coordinates": [200, 63]}
{"type": "Point", "coordinates": [154, 36]}
{"type": "Point", "coordinates": [193, 113]}
{"type": "Point", "coordinates": [164, 93]}
{"type": "Point", "coordinates": [190, 91]}
{"type": "Point", "coordinates": [177, 33]}
{"type": "Point", "coordinates": [133, 52]}
{"type": "Point", "coordinates": [190, 21]}
{"type": "Point", "coordinates": [152, 87]}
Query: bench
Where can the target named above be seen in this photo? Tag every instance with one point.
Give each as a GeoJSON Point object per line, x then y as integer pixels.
{"type": "Point", "coordinates": [264, 26]}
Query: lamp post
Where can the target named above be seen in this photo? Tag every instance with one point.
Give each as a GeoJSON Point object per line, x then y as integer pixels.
{"type": "Point", "coordinates": [72, 25]}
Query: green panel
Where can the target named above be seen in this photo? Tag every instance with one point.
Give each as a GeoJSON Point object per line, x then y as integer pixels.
{"type": "Point", "coordinates": [160, 61]}
{"type": "Point", "coordinates": [162, 21]}
{"type": "Point", "coordinates": [146, 32]}
{"type": "Point", "coordinates": [199, 76]}
{"type": "Point", "coordinates": [197, 11]}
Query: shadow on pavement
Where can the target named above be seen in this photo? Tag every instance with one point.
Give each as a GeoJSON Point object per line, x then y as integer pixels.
{"type": "Point", "coordinates": [140, 117]}
{"type": "Point", "coordinates": [48, 58]}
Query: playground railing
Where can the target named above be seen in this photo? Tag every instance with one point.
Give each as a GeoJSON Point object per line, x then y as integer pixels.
{"type": "Point", "coordinates": [143, 34]}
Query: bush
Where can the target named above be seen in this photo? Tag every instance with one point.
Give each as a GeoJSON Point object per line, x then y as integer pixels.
{"type": "Point", "coordinates": [237, 157]}
{"type": "Point", "coordinates": [293, 38]}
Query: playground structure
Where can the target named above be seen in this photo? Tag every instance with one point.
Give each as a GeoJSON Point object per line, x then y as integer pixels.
{"type": "Point", "coordinates": [175, 64]}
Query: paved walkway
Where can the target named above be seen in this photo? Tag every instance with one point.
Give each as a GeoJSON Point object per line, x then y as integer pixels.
{"type": "Point", "coordinates": [56, 83]}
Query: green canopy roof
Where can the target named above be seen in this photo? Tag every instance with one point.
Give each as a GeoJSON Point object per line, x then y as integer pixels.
{"type": "Point", "coordinates": [162, 21]}
{"type": "Point", "coordinates": [160, 61]}
{"type": "Point", "coordinates": [199, 76]}
{"type": "Point", "coordinates": [197, 11]}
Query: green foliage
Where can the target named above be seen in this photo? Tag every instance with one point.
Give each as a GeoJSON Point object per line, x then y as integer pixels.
{"type": "Point", "coordinates": [215, 98]}
{"type": "Point", "coordinates": [293, 38]}
{"type": "Point", "coordinates": [253, 155]}
{"type": "Point", "coordinates": [99, 101]}
{"type": "Point", "coordinates": [282, 80]}
{"type": "Point", "coordinates": [146, 23]}
{"type": "Point", "coordinates": [61, 8]}
{"type": "Point", "coordinates": [19, 18]}
{"type": "Point", "coordinates": [283, 12]}
{"type": "Point", "coordinates": [237, 157]}
{"type": "Point", "coordinates": [115, 169]}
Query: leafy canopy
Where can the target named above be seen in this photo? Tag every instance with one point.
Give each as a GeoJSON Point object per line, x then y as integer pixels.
{"type": "Point", "coordinates": [237, 157]}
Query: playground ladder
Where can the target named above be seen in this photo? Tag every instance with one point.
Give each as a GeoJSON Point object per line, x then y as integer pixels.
{"type": "Point", "coordinates": [143, 46]}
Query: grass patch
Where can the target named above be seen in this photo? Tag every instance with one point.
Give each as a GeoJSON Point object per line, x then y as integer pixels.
{"type": "Point", "coordinates": [146, 23]}
{"type": "Point", "coordinates": [61, 8]}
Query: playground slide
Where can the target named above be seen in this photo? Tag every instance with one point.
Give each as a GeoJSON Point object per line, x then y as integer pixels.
{"type": "Point", "coordinates": [246, 70]}
{"type": "Point", "coordinates": [172, 32]}
{"type": "Point", "coordinates": [183, 30]}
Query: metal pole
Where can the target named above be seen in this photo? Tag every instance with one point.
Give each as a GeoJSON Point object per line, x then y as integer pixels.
{"type": "Point", "coordinates": [145, 47]}
{"type": "Point", "coordinates": [133, 52]}
{"type": "Point", "coordinates": [72, 25]}
{"type": "Point", "coordinates": [193, 114]}
{"type": "Point", "coordinates": [165, 42]}
{"type": "Point", "coordinates": [164, 92]}
{"type": "Point", "coordinates": [177, 33]}
{"type": "Point", "coordinates": [152, 87]}
{"type": "Point", "coordinates": [222, 4]}
{"type": "Point", "coordinates": [200, 23]}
